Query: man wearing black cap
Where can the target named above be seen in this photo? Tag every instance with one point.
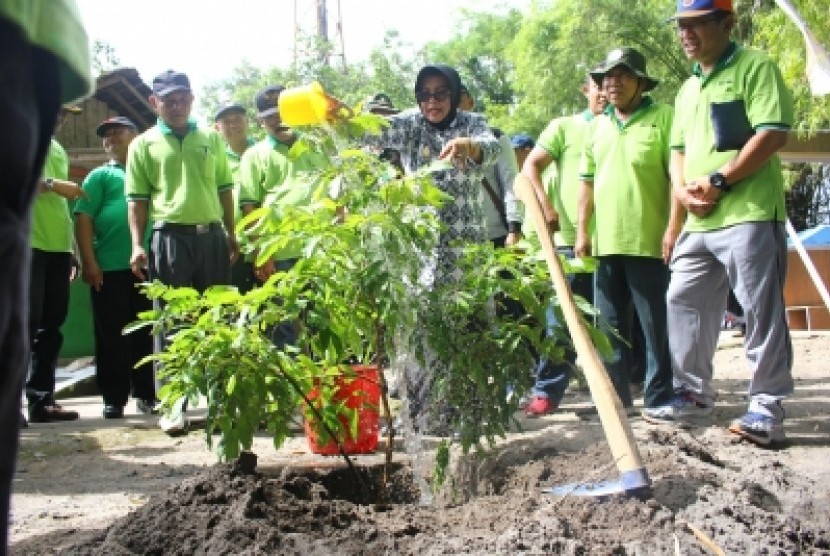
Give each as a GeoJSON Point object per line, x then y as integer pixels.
{"type": "Point", "coordinates": [178, 178]}
{"type": "Point", "coordinates": [104, 244]}
{"type": "Point", "coordinates": [231, 121]}
{"type": "Point", "coordinates": [269, 177]}
{"type": "Point", "coordinates": [625, 187]}
{"type": "Point", "coordinates": [733, 114]}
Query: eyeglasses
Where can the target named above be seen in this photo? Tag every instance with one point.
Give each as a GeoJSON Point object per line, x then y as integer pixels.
{"type": "Point", "coordinates": [437, 96]}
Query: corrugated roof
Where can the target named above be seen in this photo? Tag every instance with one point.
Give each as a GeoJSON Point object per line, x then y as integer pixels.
{"type": "Point", "coordinates": [125, 93]}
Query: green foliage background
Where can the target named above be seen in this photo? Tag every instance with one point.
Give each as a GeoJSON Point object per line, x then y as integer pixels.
{"type": "Point", "coordinates": [526, 68]}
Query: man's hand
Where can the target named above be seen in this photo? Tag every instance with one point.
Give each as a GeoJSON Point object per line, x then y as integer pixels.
{"type": "Point", "coordinates": [512, 238]}
{"type": "Point", "coordinates": [698, 196]}
{"type": "Point", "coordinates": [265, 271]}
{"type": "Point", "coordinates": [138, 262]}
{"type": "Point", "coordinates": [91, 274]}
{"type": "Point", "coordinates": [669, 240]}
{"type": "Point", "coordinates": [233, 248]}
{"type": "Point", "coordinates": [582, 247]}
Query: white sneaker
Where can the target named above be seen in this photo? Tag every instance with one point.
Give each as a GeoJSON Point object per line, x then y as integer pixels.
{"type": "Point", "coordinates": [174, 422]}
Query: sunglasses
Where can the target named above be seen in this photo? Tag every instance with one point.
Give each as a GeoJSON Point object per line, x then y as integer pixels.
{"type": "Point", "coordinates": [437, 96]}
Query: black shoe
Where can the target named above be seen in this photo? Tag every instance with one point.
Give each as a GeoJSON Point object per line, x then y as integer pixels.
{"type": "Point", "coordinates": [49, 413]}
{"type": "Point", "coordinates": [113, 412]}
{"type": "Point", "coordinates": [147, 407]}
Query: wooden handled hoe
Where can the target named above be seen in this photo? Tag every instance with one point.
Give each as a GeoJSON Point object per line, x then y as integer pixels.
{"type": "Point", "coordinates": [633, 477]}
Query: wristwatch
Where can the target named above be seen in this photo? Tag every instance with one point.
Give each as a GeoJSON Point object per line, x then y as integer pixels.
{"type": "Point", "coordinates": [49, 183]}
{"type": "Point", "coordinates": [718, 181]}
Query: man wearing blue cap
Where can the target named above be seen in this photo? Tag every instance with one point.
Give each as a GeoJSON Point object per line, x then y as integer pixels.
{"type": "Point", "coordinates": [178, 178]}
{"type": "Point", "coordinates": [733, 114]}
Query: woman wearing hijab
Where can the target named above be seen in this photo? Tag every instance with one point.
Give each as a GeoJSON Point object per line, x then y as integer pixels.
{"type": "Point", "coordinates": [438, 130]}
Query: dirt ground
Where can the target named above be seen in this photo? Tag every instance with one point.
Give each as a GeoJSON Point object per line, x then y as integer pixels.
{"type": "Point", "coordinates": [104, 487]}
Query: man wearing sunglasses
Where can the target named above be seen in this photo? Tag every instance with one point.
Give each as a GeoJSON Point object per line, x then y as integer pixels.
{"type": "Point", "coordinates": [734, 113]}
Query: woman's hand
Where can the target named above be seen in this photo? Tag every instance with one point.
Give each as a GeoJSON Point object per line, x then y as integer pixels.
{"type": "Point", "coordinates": [459, 151]}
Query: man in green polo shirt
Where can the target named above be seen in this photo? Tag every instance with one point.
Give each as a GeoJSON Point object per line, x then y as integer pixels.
{"type": "Point", "coordinates": [104, 245]}
{"type": "Point", "coordinates": [45, 63]}
{"type": "Point", "coordinates": [559, 148]}
{"type": "Point", "coordinates": [269, 177]}
{"type": "Point", "coordinates": [51, 271]}
{"type": "Point", "coordinates": [733, 114]}
{"type": "Point", "coordinates": [231, 121]}
{"type": "Point", "coordinates": [626, 189]}
{"type": "Point", "coordinates": [178, 178]}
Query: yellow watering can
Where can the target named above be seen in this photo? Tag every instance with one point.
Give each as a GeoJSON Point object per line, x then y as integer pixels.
{"type": "Point", "coordinates": [310, 105]}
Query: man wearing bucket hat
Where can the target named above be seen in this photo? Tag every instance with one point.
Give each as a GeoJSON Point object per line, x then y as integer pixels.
{"type": "Point", "coordinates": [625, 187]}
{"type": "Point", "coordinates": [104, 245]}
{"type": "Point", "coordinates": [733, 114]}
{"type": "Point", "coordinates": [178, 178]}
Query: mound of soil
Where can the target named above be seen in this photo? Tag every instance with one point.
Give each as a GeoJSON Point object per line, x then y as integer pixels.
{"type": "Point", "coordinates": [744, 504]}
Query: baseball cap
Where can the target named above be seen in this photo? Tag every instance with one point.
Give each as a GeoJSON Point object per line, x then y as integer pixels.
{"type": "Point", "coordinates": [522, 141]}
{"type": "Point", "coordinates": [117, 121]}
{"type": "Point", "coordinates": [697, 8]}
{"type": "Point", "coordinates": [266, 100]}
{"type": "Point", "coordinates": [380, 104]}
{"type": "Point", "coordinates": [169, 82]}
{"type": "Point", "coordinates": [227, 107]}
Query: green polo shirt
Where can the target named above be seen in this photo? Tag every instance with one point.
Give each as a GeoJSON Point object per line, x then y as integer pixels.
{"type": "Point", "coordinates": [51, 223]}
{"type": "Point", "coordinates": [563, 139]}
{"type": "Point", "coordinates": [233, 164]}
{"type": "Point", "coordinates": [181, 177]}
{"type": "Point", "coordinates": [107, 207]}
{"type": "Point", "coordinates": [269, 176]}
{"type": "Point", "coordinates": [750, 76]}
{"type": "Point", "coordinates": [55, 26]}
{"type": "Point", "coordinates": [629, 165]}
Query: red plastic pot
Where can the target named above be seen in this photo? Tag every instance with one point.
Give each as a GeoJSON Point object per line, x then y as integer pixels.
{"type": "Point", "coordinates": [360, 392]}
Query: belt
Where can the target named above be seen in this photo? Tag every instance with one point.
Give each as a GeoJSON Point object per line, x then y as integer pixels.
{"type": "Point", "coordinates": [191, 229]}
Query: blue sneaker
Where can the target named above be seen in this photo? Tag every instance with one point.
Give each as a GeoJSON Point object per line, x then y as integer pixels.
{"type": "Point", "coordinates": [759, 428]}
{"type": "Point", "coordinates": [683, 410]}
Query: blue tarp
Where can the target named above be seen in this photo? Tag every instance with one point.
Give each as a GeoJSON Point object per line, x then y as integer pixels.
{"type": "Point", "coordinates": [814, 237]}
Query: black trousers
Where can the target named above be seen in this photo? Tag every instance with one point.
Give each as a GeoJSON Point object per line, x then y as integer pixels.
{"type": "Point", "coordinates": [29, 103]}
{"type": "Point", "coordinates": [48, 305]}
{"type": "Point", "coordinates": [115, 305]}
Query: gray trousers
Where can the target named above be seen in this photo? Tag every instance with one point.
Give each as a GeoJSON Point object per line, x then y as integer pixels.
{"type": "Point", "coordinates": [751, 258]}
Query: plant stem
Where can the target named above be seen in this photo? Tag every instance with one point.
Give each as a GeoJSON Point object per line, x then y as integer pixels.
{"type": "Point", "coordinates": [292, 381]}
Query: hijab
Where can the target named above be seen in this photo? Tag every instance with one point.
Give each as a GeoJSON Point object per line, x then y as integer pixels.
{"type": "Point", "coordinates": [454, 83]}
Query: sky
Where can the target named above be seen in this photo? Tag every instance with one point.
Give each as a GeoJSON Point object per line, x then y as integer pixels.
{"type": "Point", "coordinates": [206, 39]}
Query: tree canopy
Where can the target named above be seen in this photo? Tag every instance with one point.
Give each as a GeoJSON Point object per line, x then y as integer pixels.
{"type": "Point", "coordinates": [526, 68]}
